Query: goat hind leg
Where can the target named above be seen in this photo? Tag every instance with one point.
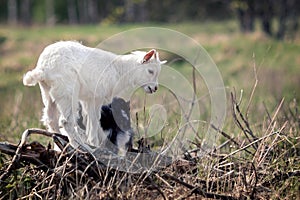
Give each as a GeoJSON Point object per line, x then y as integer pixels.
{"type": "Point", "coordinates": [50, 112]}
{"type": "Point", "coordinates": [67, 118]}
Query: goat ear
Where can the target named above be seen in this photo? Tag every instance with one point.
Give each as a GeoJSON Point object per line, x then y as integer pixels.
{"type": "Point", "coordinates": [148, 55]}
{"type": "Point", "coordinates": [156, 56]}
{"type": "Point", "coordinates": [128, 104]}
{"type": "Point", "coordinates": [163, 62]}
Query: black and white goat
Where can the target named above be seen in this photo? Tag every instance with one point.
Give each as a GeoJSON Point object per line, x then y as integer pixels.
{"type": "Point", "coordinates": [115, 123]}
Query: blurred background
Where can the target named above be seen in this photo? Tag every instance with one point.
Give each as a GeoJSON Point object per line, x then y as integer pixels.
{"type": "Point", "coordinates": [255, 44]}
{"type": "Point", "coordinates": [246, 12]}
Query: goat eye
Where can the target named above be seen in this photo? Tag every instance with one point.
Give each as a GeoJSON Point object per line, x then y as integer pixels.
{"type": "Point", "coordinates": [151, 71]}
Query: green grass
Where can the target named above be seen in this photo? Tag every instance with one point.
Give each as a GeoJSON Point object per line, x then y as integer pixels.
{"type": "Point", "coordinates": [237, 57]}
{"type": "Point", "coordinates": [235, 54]}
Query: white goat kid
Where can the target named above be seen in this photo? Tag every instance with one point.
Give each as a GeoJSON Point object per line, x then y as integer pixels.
{"type": "Point", "coordinates": [68, 72]}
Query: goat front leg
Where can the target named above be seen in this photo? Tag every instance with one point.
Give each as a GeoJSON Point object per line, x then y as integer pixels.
{"type": "Point", "coordinates": [95, 134]}
{"type": "Point", "coordinates": [76, 139]}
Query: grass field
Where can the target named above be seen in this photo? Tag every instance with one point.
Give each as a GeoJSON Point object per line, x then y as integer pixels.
{"type": "Point", "coordinates": [277, 65]}
{"type": "Point", "coordinates": [241, 58]}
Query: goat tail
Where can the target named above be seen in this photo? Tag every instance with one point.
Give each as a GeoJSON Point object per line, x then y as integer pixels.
{"type": "Point", "coordinates": [31, 78]}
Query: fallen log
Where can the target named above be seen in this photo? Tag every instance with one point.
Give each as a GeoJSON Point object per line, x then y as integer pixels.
{"type": "Point", "coordinates": [139, 160]}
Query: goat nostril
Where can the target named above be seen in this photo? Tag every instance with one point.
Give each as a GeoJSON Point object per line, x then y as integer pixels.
{"type": "Point", "coordinates": [155, 88]}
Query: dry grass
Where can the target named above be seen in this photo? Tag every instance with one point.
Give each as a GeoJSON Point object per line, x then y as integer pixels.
{"type": "Point", "coordinates": [262, 165]}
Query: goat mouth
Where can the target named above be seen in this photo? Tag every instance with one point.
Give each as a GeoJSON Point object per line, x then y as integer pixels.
{"type": "Point", "coordinates": [150, 90]}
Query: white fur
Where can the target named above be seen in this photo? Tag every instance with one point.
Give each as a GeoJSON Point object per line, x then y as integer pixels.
{"type": "Point", "coordinates": [68, 72]}
{"type": "Point", "coordinates": [124, 115]}
{"type": "Point", "coordinates": [122, 140]}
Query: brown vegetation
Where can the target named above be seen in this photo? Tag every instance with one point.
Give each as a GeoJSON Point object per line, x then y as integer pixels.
{"type": "Point", "coordinates": [253, 168]}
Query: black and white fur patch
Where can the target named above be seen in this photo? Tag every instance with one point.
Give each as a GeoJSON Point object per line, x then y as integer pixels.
{"type": "Point", "coordinates": [115, 121]}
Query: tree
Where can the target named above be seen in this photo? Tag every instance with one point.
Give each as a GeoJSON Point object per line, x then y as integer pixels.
{"type": "Point", "coordinates": [72, 14]}
{"type": "Point", "coordinates": [266, 12]}
{"type": "Point", "coordinates": [92, 10]}
{"type": "Point", "coordinates": [50, 14]}
{"type": "Point", "coordinates": [135, 11]}
{"type": "Point", "coordinates": [88, 11]}
{"type": "Point", "coordinates": [284, 11]}
{"type": "Point", "coordinates": [25, 14]}
{"type": "Point", "coordinates": [287, 15]}
{"type": "Point", "coordinates": [246, 14]}
{"type": "Point", "coordinates": [12, 12]}
{"type": "Point", "coordinates": [82, 11]}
